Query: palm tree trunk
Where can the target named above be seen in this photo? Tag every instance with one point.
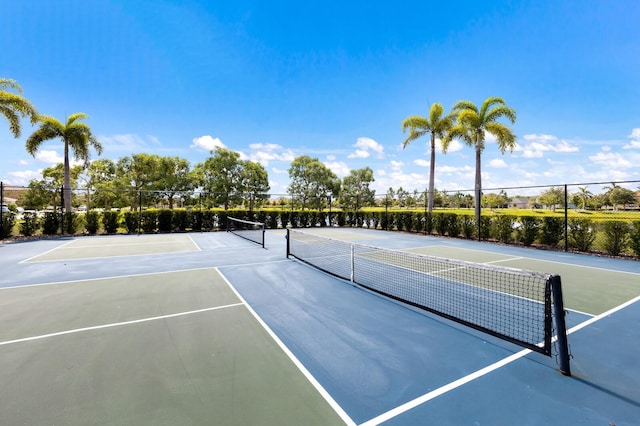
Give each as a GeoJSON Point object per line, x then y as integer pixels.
{"type": "Point", "coordinates": [432, 168]}
{"type": "Point", "coordinates": [478, 186]}
{"type": "Point", "coordinates": [67, 179]}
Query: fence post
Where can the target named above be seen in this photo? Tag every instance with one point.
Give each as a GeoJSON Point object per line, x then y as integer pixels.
{"type": "Point", "coordinates": [566, 219]}
{"type": "Point", "coordinates": [1, 212]}
{"type": "Point", "coordinates": [61, 210]}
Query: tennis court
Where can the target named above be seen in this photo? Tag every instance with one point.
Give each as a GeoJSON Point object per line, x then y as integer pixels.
{"type": "Point", "coordinates": [209, 328]}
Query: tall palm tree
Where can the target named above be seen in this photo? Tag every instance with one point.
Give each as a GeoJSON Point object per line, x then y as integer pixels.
{"type": "Point", "coordinates": [584, 195]}
{"type": "Point", "coordinates": [13, 106]}
{"type": "Point", "coordinates": [436, 126]}
{"type": "Point", "coordinates": [76, 136]}
{"type": "Point", "coordinates": [472, 126]}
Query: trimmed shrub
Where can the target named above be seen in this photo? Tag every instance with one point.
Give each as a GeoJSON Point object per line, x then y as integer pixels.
{"type": "Point", "coordinates": [208, 220]}
{"type": "Point", "coordinates": [110, 222]}
{"type": "Point", "coordinates": [453, 226]}
{"type": "Point", "coordinates": [428, 223]}
{"type": "Point", "coordinates": [440, 223]}
{"type": "Point", "coordinates": [179, 220]}
{"type": "Point", "coordinates": [582, 233]}
{"type": "Point", "coordinates": [149, 221]}
{"type": "Point", "coordinates": [92, 222]}
{"type": "Point", "coordinates": [502, 228]}
{"type": "Point", "coordinates": [132, 221]}
{"type": "Point", "coordinates": [551, 231]}
{"type": "Point", "coordinates": [616, 235]}
{"type": "Point", "coordinates": [8, 222]}
{"type": "Point", "coordinates": [468, 226]}
{"type": "Point", "coordinates": [634, 237]}
{"type": "Point", "coordinates": [528, 229]}
{"type": "Point", "coordinates": [30, 224]}
{"type": "Point", "coordinates": [485, 227]}
{"type": "Point", "coordinates": [165, 220]}
{"type": "Point", "coordinates": [73, 222]}
{"type": "Point", "coordinates": [51, 223]}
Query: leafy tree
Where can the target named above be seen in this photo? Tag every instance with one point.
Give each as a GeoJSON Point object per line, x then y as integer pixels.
{"type": "Point", "coordinates": [436, 126]}
{"type": "Point", "coordinates": [472, 125]}
{"type": "Point", "coordinates": [139, 173]}
{"type": "Point", "coordinates": [312, 182]}
{"type": "Point", "coordinates": [174, 177]}
{"type": "Point", "coordinates": [355, 191]}
{"type": "Point", "coordinates": [552, 197]}
{"type": "Point", "coordinates": [102, 178]}
{"type": "Point", "coordinates": [622, 196]}
{"type": "Point", "coordinates": [221, 175]}
{"type": "Point", "coordinates": [13, 106]}
{"type": "Point", "coordinates": [254, 181]}
{"type": "Point", "coordinates": [38, 195]}
{"type": "Point", "coordinates": [76, 137]}
{"type": "Point", "coordinates": [494, 201]}
{"type": "Point", "coordinates": [583, 195]}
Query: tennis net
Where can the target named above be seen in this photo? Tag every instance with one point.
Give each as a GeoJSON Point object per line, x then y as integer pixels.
{"type": "Point", "coordinates": [512, 304]}
{"type": "Point", "coordinates": [252, 231]}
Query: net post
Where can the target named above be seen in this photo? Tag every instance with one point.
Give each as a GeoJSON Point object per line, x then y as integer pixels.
{"type": "Point", "coordinates": [352, 278]}
{"type": "Point", "coordinates": [263, 235]}
{"type": "Point", "coordinates": [287, 237]}
{"type": "Point", "coordinates": [561, 326]}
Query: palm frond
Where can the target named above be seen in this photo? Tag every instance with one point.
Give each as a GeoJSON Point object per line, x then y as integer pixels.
{"type": "Point", "coordinates": [415, 122]}
{"type": "Point", "coordinates": [464, 105]}
{"type": "Point", "coordinates": [504, 136]}
{"type": "Point", "coordinates": [488, 103]}
{"type": "Point", "coordinates": [500, 111]}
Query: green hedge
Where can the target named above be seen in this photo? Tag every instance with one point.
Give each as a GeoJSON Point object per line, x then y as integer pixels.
{"type": "Point", "coordinates": [612, 237]}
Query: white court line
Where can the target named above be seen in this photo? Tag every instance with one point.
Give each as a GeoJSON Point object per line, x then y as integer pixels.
{"type": "Point", "coordinates": [154, 243]}
{"type": "Point", "coordinates": [483, 371]}
{"type": "Point", "coordinates": [336, 407]}
{"type": "Point", "coordinates": [48, 251]}
{"type": "Point", "coordinates": [116, 324]}
{"type": "Point", "coordinates": [135, 275]}
{"type": "Point", "coordinates": [194, 243]}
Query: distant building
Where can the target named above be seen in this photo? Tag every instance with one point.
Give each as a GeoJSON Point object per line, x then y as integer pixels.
{"type": "Point", "coordinates": [520, 202]}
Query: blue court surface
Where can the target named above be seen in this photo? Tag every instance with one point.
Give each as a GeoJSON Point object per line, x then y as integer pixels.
{"type": "Point", "coordinates": [340, 354]}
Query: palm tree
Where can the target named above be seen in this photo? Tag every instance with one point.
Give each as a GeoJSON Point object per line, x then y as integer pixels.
{"type": "Point", "coordinates": [474, 123]}
{"type": "Point", "coordinates": [13, 106]}
{"type": "Point", "coordinates": [76, 136]}
{"type": "Point", "coordinates": [584, 195]}
{"type": "Point", "coordinates": [436, 125]}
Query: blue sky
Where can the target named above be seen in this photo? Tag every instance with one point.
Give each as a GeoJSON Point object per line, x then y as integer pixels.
{"type": "Point", "coordinates": [333, 80]}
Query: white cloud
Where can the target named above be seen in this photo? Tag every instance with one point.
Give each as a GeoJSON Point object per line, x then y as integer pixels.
{"type": "Point", "coordinates": [497, 163]}
{"type": "Point", "coordinates": [266, 152]}
{"type": "Point", "coordinates": [265, 147]}
{"type": "Point", "coordinates": [365, 147]}
{"type": "Point", "coordinates": [207, 143]}
{"type": "Point", "coordinates": [422, 163]}
{"type": "Point", "coordinates": [49, 157]}
{"type": "Point", "coordinates": [359, 153]}
{"type": "Point", "coordinates": [22, 177]}
{"type": "Point", "coordinates": [337, 167]}
{"type": "Point", "coordinates": [635, 139]}
{"type": "Point", "coordinates": [537, 145]}
{"type": "Point", "coordinates": [454, 146]}
{"type": "Point", "coordinates": [611, 160]}
{"type": "Point", "coordinates": [127, 142]}
{"type": "Point", "coordinates": [396, 165]}
{"type": "Point", "coordinates": [279, 171]}
{"type": "Point", "coordinates": [23, 163]}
